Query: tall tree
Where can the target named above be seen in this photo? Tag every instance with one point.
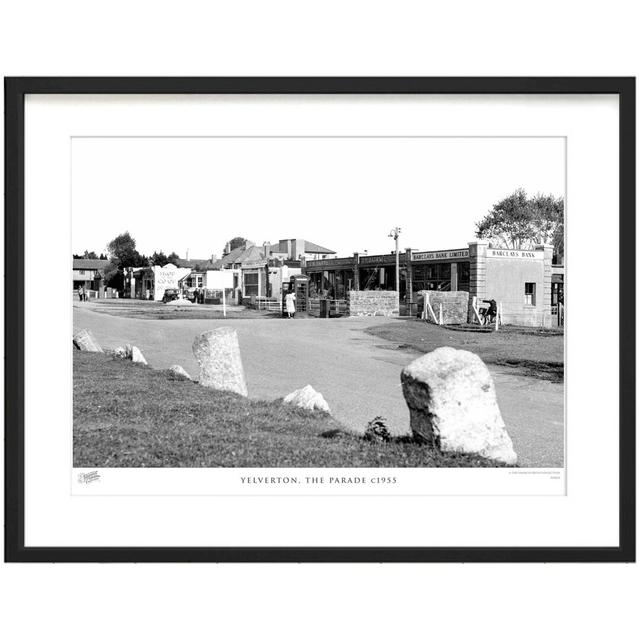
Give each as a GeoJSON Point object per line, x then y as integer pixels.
{"type": "Point", "coordinates": [173, 258]}
{"type": "Point", "coordinates": [519, 222]}
{"type": "Point", "coordinates": [122, 252]}
{"type": "Point", "coordinates": [113, 277]}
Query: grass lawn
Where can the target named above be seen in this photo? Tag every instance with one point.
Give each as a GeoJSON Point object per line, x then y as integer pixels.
{"type": "Point", "coordinates": [521, 350]}
{"type": "Point", "coordinates": [153, 310]}
{"type": "Point", "coordinates": [129, 415]}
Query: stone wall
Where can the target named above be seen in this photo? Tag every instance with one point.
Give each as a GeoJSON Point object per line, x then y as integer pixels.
{"type": "Point", "coordinates": [373, 303]}
{"type": "Point", "coordinates": [455, 305]}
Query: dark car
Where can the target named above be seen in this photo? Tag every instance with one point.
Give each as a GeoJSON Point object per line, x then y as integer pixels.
{"type": "Point", "coordinates": [170, 294]}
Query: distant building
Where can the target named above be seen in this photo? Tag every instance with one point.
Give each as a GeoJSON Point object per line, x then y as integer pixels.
{"type": "Point", "coordinates": [89, 274]}
{"type": "Point", "coordinates": [281, 260]}
{"type": "Point", "coordinates": [296, 249]}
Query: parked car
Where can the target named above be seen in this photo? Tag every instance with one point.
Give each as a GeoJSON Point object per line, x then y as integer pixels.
{"type": "Point", "coordinates": [170, 294]}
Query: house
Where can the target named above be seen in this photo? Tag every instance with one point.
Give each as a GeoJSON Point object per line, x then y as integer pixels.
{"type": "Point", "coordinates": [89, 273]}
{"type": "Point", "coordinates": [251, 263]}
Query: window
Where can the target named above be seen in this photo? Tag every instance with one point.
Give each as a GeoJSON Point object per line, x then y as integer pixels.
{"type": "Point", "coordinates": [432, 277]}
{"type": "Point", "coordinates": [81, 272]}
{"type": "Point", "coordinates": [250, 285]}
{"type": "Point", "coordinates": [530, 293]}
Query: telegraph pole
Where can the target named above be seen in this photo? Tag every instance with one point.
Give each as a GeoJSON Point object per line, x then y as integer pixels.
{"type": "Point", "coordinates": [395, 234]}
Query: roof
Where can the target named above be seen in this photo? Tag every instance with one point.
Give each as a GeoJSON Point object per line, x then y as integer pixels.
{"type": "Point", "coordinates": [250, 254]}
{"type": "Point", "coordinates": [204, 263]}
{"type": "Point", "coordinates": [87, 263]}
{"type": "Point", "coordinates": [242, 254]}
{"type": "Point", "coordinates": [309, 247]}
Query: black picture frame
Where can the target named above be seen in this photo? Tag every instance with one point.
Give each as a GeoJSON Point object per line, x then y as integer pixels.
{"type": "Point", "coordinates": [15, 91]}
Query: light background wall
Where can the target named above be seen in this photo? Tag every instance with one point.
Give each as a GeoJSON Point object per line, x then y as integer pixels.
{"type": "Point", "coordinates": [320, 38]}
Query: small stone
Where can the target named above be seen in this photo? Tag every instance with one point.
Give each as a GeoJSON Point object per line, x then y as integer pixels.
{"type": "Point", "coordinates": [120, 353]}
{"type": "Point", "coordinates": [307, 398]}
{"type": "Point", "coordinates": [218, 353]}
{"type": "Point", "coordinates": [129, 352]}
{"type": "Point", "coordinates": [453, 405]}
{"type": "Point", "coordinates": [179, 371]}
{"type": "Point", "coordinates": [85, 341]}
{"type": "Point", "coordinates": [136, 355]}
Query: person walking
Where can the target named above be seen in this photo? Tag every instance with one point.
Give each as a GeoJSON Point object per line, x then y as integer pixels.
{"type": "Point", "coordinates": [290, 304]}
{"type": "Point", "coordinates": [80, 293]}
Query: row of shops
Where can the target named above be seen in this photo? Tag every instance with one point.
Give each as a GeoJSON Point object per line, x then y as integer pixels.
{"type": "Point", "coordinates": [527, 283]}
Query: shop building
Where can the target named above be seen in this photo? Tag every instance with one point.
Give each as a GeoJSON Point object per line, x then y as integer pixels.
{"type": "Point", "coordinates": [525, 282]}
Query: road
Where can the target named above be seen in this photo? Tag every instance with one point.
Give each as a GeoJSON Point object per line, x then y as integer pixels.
{"type": "Point", "coordinates": [358, 374]}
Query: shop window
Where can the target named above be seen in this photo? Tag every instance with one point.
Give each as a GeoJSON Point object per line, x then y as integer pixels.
{"type": "Point", "coordinates": [530, 293]}
{"type": "Point", "coordinates": [432, 277]}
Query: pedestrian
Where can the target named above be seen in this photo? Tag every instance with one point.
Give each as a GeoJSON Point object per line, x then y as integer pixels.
{"type": "Point", "coordinates": [492, 311]}
{"type": "Point", "coordinates": [80, 293]}
{"type": "Point", "coordinates": [290, 304]}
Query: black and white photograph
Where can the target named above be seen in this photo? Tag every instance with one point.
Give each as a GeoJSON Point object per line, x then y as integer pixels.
{"type": "Point", "coordinates": [306, 319]}
{"type": "Point", "coordinates": [318, 301]}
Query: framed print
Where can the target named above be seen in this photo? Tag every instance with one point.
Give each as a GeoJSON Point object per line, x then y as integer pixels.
{"type": "Point", "coordinates": [320, 319]}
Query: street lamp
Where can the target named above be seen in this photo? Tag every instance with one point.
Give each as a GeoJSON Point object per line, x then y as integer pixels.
{"type": "Point", "coordinates": [395, 234]}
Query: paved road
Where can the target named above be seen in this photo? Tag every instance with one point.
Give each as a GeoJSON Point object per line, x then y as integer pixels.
{"type": "Point", "coordinates": [358, 374]}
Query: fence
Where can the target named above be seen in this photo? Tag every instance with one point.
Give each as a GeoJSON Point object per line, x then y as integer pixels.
{"type": "Point", "coordinates": [266, 304]}
{"type": "Point", "coordinates": [336, 307]}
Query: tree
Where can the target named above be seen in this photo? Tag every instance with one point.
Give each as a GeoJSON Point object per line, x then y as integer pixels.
{"type": "Point", "coordinates": [518, 222]}
{"type": "Point", "coordinates": [173, 258]}
{"type": "Point", "coordinates": [236, 242]}
{"type": "Point", "coordinates": [158, 259]}
{"type": "Point", "coordinates": [122, 252]}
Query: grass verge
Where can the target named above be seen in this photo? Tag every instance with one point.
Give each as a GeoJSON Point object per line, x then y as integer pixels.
{"type": "Point", "coordinates": [525, 351]}
{"type": "Point", "coordinates": [129, 415]}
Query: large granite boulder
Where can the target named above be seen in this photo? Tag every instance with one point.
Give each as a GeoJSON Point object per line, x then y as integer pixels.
{"type": "Point", "coordinates": [85, 341]}
{"type": "Point", "coordinates": [218, 353]}
{"type": "Point", "coordinates": [453, 405]}
{"type": "Point", "coordinates": [307, 398]}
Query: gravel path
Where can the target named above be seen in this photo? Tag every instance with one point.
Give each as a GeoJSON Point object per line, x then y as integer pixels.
{"type": "Point", "coordinates": [358, 374]}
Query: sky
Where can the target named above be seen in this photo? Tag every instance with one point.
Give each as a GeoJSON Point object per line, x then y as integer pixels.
{"type": "Point", "coordinates": [194, 194]}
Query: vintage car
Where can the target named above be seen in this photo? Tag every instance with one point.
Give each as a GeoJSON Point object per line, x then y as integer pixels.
{"type": "Point", "coordinates": [170, 294]}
